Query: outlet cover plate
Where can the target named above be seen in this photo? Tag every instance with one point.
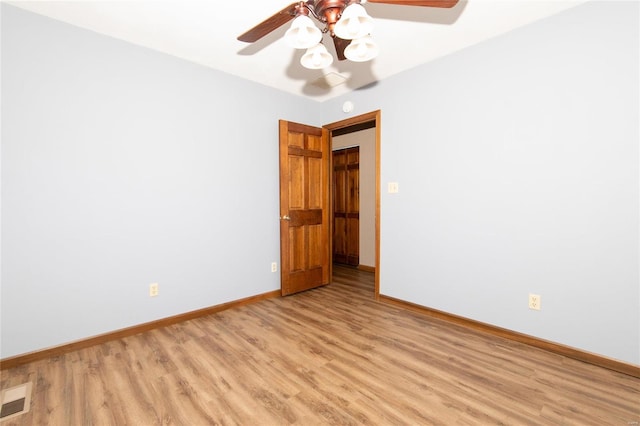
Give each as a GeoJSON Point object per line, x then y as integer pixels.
{"type": "Point", "coordinates": [534, 301]}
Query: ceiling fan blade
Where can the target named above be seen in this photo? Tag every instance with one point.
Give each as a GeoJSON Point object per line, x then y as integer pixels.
{"type": "Point", "coordinates": [426, 3]}
{"type": "Point", "coordinates": [340, 45]}
{"type": "Point", "coordinates": [270, 24]}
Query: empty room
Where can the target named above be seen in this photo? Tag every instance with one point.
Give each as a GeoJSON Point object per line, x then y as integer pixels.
{"type": "Point", "coordinates": [420, 212]}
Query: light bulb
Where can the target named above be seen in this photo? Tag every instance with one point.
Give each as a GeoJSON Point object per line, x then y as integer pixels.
{"type": "Point", "coordinates": [316, 59]}
{"type": "Point", "coordinates": [353, 26]}
{"type": "Point", "coordinates": [361, 50]}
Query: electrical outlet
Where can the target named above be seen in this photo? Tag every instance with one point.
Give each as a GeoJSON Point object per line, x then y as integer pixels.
{"type": "Point", "coordinates": [274, 267]}
{"type": "Point", "coordinates": [534, 301]}
{"type": "Point", "coordinates": [153, 290]}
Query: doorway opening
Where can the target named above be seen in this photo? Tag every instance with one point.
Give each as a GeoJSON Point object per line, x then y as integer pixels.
{"type": "Point", "coordinates": [369, 122]}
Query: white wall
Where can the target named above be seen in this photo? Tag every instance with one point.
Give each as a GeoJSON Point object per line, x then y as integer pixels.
{"type": "Point", "coordinates": [517, 161]}
{"type": "Point", "coordinates": [366, 140]}
{"type": "Point", "coordinates": [121, 167]}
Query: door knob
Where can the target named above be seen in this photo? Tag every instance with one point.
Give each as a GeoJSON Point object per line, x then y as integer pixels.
{"type": "Point", "coordinates": [285, 217]}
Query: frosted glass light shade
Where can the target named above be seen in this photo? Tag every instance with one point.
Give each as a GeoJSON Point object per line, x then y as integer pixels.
{"type": "Point", "coordinates": [316, 57]}
{"type": "Point", "coordinates": [354, 23]}
{"type": "Point", "coordinates": [303, 33]}
{"type": "Point", "coordinates": [362, 49]}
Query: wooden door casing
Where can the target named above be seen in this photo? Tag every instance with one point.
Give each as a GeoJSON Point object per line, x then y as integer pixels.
{"type": "Point", "coordinates": [304, 207]}
{"type": "Point", "coordinates": [352, 124]}
{"type": "Point", "coordinates": [346, 206]}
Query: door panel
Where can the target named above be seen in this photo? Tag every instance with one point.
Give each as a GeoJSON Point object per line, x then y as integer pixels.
{"type": "Point", "coordinates": [304, 207]}
{"type": "Point", "coordinates": [346, 206]}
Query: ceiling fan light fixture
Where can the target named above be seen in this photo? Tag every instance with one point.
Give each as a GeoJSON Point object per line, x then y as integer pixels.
{"type": "Point", "coordinates": [303, 33]}
{"type": "Point", "coordinates": [316, 57]}
{"type": "Point", "coordinates": [362, 49]}
{"type": "Point", "coordinates": [354, 23]}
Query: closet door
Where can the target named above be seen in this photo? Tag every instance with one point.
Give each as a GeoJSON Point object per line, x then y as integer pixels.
{"type": "Point", "coordinates": [346, 206]}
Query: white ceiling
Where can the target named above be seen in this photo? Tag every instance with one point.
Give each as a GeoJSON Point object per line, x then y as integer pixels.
{"type": "Point", "coordinates": [205, 32]}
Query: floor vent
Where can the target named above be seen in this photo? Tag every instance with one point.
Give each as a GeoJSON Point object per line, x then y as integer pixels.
{"type": "Point", "coordinates": [15, 401]}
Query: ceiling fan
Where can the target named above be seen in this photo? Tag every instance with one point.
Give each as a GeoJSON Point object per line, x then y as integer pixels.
{"type": "Point", "coordinates": [345, 20]}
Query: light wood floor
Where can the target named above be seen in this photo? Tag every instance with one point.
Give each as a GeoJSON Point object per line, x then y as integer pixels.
{"type": "Point", "coordinates": [327, 356]}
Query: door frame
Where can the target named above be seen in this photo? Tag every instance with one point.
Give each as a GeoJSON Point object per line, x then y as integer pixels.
{"type": "Point", "coordinates": [349, 125]}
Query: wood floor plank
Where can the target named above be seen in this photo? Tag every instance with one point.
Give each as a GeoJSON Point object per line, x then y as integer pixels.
{"type": "Point", "coordinates": [332, 355]}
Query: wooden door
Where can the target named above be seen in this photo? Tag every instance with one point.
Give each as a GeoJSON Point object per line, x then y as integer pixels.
{"type": "Point", "coordinates": [305, 245]}
{"type": "Point", "coordinates": [346, 206]}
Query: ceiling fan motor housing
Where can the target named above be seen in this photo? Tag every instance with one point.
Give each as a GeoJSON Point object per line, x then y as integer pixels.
{"type": "Point", "coordinates": [329, 11]}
